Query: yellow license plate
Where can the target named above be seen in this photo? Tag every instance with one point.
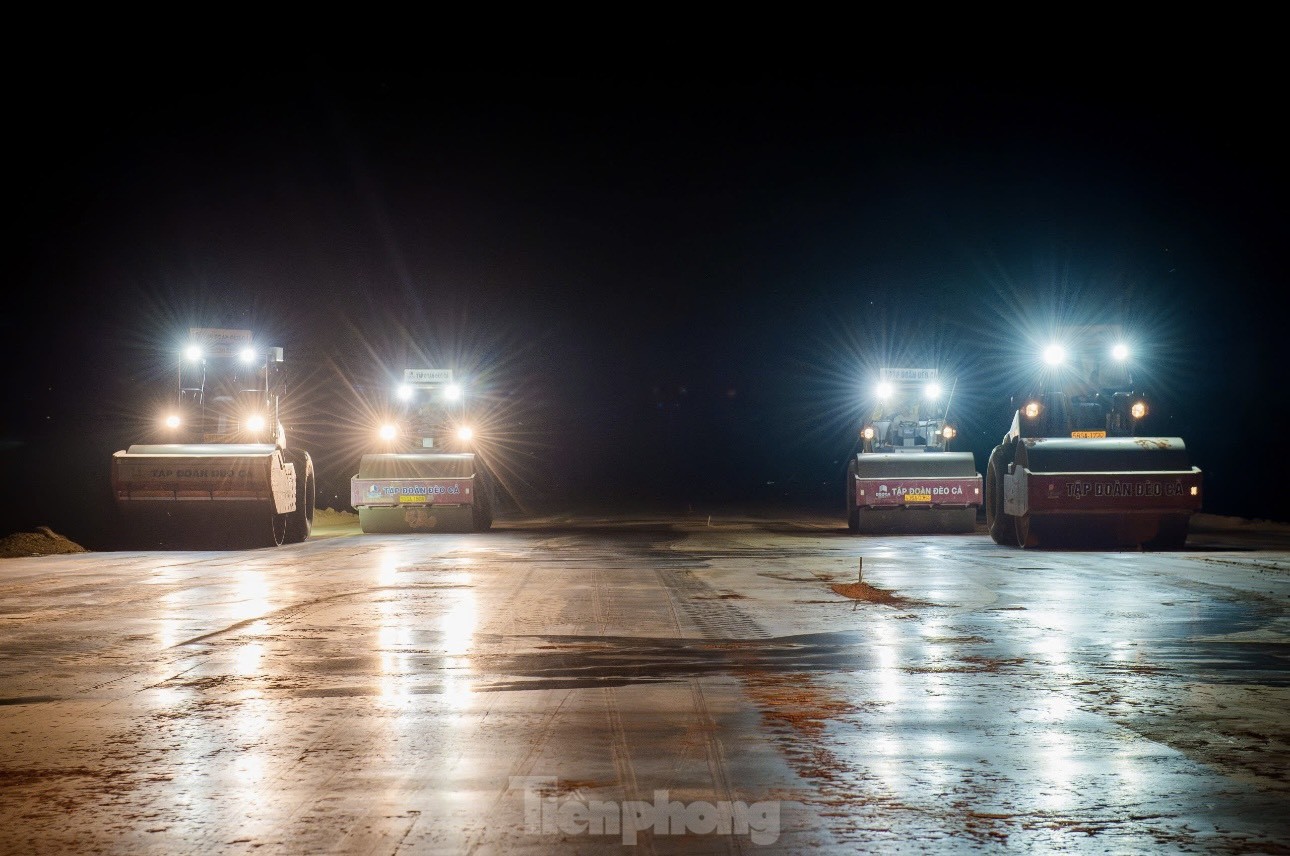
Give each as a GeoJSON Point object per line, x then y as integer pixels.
{"type": "Point", "coordinates": [1087, 435]}
{"type": "Point", "coordinates": [918, 497]}
{"type": "Point", "coordinates": [412, 498]}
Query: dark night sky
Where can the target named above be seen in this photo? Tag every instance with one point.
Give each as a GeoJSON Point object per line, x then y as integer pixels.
{"type": "Point", "coordinates": [666, 293]}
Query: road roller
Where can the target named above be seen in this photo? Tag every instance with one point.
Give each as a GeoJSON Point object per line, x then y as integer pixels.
{"type": "Point", "coordinates": [426, 475]}
{"type": "Point", "coordinates": [1079, 467]}
{"type": "Point", "coordinates": [904, 478]}
{"type": "Point", "coordinates": [219, 473]}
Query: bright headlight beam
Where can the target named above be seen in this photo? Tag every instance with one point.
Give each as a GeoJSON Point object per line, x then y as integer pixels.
{"type": "Point", "coordinates": [388, 432]}
{"type": "Point", "coordinates": [193, 353]}
{"type": "Point", "coordinates": [452, 391]}
{"type": "Point", "coordinates": [932, 391]}
{"type": "Point", "coordinates": [465, 433]}
{"type": "Point", "coordinates": [255, 422]}
{"type": "Point", "coordinates": [884, 390]}
{"type": "Point", "coordinates": [1054, 355]}
{"type": "Point", "coordinates": [172, 421]}
{"type": "Point", "coordinates": [1120, 352]}
{"type": "Point", "coordinates": [246, 355]}
{"type": "Point", "coordinates": [404, 392]}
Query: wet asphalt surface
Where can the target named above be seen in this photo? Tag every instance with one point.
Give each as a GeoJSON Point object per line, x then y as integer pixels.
{"type": "Point", "coordinates": [647, 685]}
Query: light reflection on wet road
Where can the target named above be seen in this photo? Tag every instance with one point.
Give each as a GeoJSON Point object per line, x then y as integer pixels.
{"type": "Point", "coordinates": [420, 694]}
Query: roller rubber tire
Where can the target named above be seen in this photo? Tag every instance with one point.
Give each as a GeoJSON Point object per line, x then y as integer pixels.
{"type": "Point", "coordinates": [301, 521]}
{"type": "Point", "coordinates": [1002, 528]}
{"type": "Point", "coordinates": [853, 512]}
{"type": "Point", "coordinates": [1171, 536]}
{"type": "Point", "coordinates": [481, 513]}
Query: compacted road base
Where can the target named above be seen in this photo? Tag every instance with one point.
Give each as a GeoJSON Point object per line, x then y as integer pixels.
{"type": "Point", "coordinates": [700, 685]}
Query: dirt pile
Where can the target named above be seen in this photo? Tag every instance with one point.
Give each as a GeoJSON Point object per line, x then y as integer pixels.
{"type": "Point", "coordinates": [43, 542]}
{"type": "Point", "coordinates": [870, 594]}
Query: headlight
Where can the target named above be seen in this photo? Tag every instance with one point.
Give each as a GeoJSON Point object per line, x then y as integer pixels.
{"type": "Point", "coordinates": [193, 353]}
{"type": "Point", "coordinates": [932, 391]}
{"type": "Point", "coordinates": [404, 392]}
{"type": "Point", "coordinates": [255, 422]}
{"type": "Point", "coordinates": [173, 421]}
{"type": "Point", "coordinates": [1138, 410]}
{"type": "Point", "coordinates": [884, 391]}
{"type": "Point", "coordinates": [388, 432]}
{"type": "Point", "coordinates": [948, 432]}
{"type": "Point", "coordinates": [1054, 355]}
{"type": "Point", "coordinates": [1032, 410]}
{"type": "Point", "coordinates": [1120, 352]}
{"type": "Point", "coordinates": [867, 433]}
{"type": "Point", "coordinates": [247, 356]}
{"type": "Point", "coordinates": [452, 392]}
{"type": "Point", "coordinates": [465, 434]}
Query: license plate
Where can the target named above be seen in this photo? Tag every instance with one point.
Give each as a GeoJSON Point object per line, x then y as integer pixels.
{"type": "Point", "coordinates": [405, 498]}
{"type": "Point", "coordinates": [1087, 435]}
{"type": "Point", "coordinates": [918, 497]}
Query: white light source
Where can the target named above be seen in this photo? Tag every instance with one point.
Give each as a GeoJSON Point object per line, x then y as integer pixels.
{"type": "Point", "coordinates": [1120, 352]}
{"type": "Point", "coordinates": [246, 355]}
{"type": "Point", "coordinates": [173, 421]}
{"type": "Point", "coordinates": [388, 432]}
{"type": "Point", "coordinates": [255, 422]}
{"type": "Point", "coordinates": [452, 392]}
{"type": "Point", "coordinates": [404, 392]}
{"type": "Point", "coordinates": [932, 391]}
{"type": "Point", "coordinates": [884, 391]}
{"type": "Point", "coordinates": [868, 432]}
{"type": "Point", "coordinates": [1054, 355]}
{"type": "Point", "coordinates": [465, 434]}
{"type": "Point", "coordinates": [947, 432]}
{"type": "Point", "coordinates": [1032, 410]}
{"type": "Point", "coordinates": [1138, 410]}
{"type": "Point", "coordinates": [193, 353]}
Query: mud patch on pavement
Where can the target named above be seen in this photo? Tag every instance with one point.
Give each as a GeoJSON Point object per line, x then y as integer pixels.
{"type": "Point", "coordinates": [45, 774]}
{"type": "Point", "coordinates": [1238, 729]}
{"type": "Point", "coordinates": [871, 594]}
{"type": "Point", "coordinates": [561, 788]}
{"type": "Point", "coordinates": [969, 665]}
{"type": "Point", "coordinates": [799, 711]}
{"type": "Point", "coordinates": [797, 703]}
{"type": "Point", "coordinates": [554, 662]}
